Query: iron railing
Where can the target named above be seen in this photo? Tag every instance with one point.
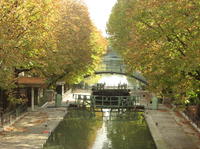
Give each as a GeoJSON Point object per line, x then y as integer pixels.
{"type": "Point", "coordinates": [194, 118]}
{"type": "Point", "coordinates": [9, 117]}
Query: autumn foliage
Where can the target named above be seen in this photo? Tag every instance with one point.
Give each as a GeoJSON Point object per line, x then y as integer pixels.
{"type": "Point", "coordinates": [54, 39]}
{"type": "Point", "coordinates": [160, 38]}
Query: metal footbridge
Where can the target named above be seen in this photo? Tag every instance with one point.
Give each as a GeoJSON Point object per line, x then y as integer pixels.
{"type": "Point", "coordinates": [111, 98]}
{"type": "Point", "coordinates": [113, 63]}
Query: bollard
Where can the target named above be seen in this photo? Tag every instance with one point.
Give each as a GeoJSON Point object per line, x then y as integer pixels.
{"type": "Point", "coordinates": [154, 103]}
{"type": "Point", "coordinates": [58, 100]}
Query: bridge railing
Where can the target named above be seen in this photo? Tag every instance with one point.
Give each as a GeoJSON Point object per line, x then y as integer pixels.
{"type": "Point", "coordinates": [112, 69]}
{"type": "Point", "coordinates": [130, 87]}
{"type": "Point", "coordinates": [125, 86]}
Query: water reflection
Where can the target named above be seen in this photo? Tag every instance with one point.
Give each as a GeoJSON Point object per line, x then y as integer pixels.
{"type": "Point", "coordinates": [76, 131]}
{"type": "Point", "coordinates": [102, 141]}
{"type": "Point", "coordinates": [80, 130]}
{"type": "Point", "coordinates": [127, 133]}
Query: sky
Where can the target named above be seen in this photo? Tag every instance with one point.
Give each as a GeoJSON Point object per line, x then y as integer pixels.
{"type": "Point", "coordinates": [99, 12]}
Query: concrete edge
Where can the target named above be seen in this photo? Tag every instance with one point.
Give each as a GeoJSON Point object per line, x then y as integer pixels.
{"type": "Point", "coordinates": [159, 142]}
{"type": "Point", "coordinates": [187, 118]}
{"type": "Point", "coordinates": [193, 124]}
{"type": "Point", "coordinates": [52, 130]}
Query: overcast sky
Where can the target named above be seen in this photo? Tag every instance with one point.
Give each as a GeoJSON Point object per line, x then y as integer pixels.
{"type": "Point", "coordinates": [100, 11]}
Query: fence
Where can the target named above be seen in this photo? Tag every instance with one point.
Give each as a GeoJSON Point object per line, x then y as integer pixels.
{"type": "Point", "coordinates": [7, 118]}
{"type": "Point", "coordinates": [192, 112]}
{"type": "Point", "coordinates": [194, 118]}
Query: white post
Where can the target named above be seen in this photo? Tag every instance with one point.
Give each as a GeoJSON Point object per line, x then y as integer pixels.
{"type": "Point", "coordinates": [32, 99]}
{"type": "Point", "coordinates": [63, 90]}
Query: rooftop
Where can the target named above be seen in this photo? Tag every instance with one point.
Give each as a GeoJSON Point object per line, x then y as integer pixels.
{"type": "Point", "coordinates": [30, 81]}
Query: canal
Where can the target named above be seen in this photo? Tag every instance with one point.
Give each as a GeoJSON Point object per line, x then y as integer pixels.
{"type": "Point", "coordinates": [82, 130]}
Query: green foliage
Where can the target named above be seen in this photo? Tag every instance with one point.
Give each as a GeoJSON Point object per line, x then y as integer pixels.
{"type": "Point", "coordinates": [22, 29]}
{"type": "Point", "coordinates": [51, 39]}
{"type": "Point", "coordinates": [16, 101]}
{"type": "Point", "coordinates": [161, 40]}
{"type": "Point", "coordinates": [48, 38]}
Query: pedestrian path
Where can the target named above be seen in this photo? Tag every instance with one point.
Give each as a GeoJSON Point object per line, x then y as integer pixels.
{"type": "Point", "coordinates": [32, 130]}
{"type": "Point", "coordinates": [170, 130]}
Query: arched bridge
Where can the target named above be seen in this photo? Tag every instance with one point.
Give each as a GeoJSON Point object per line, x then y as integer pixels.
{"type": "Point", "coordinates": [135, 75]}
{"type": "Point", "coordinates": [113, 63]}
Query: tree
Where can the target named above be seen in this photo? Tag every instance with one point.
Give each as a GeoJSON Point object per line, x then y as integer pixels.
{"type": "Point", "coordinates": [78, 44]}
{"type": "Point", "coordinates": [47, 38]}
{"type": "Point", "coordinates": [22, 34]}
{"type": "Point", "coordinates": [163, 43]}
{"type": "Point", "coordinates": [55, 39]}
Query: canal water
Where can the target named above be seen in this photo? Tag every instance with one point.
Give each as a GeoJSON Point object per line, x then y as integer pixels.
{"type": "Point", "coordinates": [80, 129]}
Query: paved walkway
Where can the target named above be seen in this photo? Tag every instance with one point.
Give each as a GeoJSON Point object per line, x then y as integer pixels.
{"type": "Point", "coordinates": [170, 130]}
{"type": "Point", "coordinates": [32, 130]}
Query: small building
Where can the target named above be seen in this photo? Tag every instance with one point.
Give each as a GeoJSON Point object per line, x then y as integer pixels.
{"type": "Point", "coordinates": [31, 88]}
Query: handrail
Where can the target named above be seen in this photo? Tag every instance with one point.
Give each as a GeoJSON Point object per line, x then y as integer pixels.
{"type": "Point", "coordinates": [7, 118]}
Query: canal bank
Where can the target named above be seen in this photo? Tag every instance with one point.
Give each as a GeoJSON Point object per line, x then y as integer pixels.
{"type": "Point", "coordinates": [170, 130]}
{"type": "Point", "coordinates": [33, 129]}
